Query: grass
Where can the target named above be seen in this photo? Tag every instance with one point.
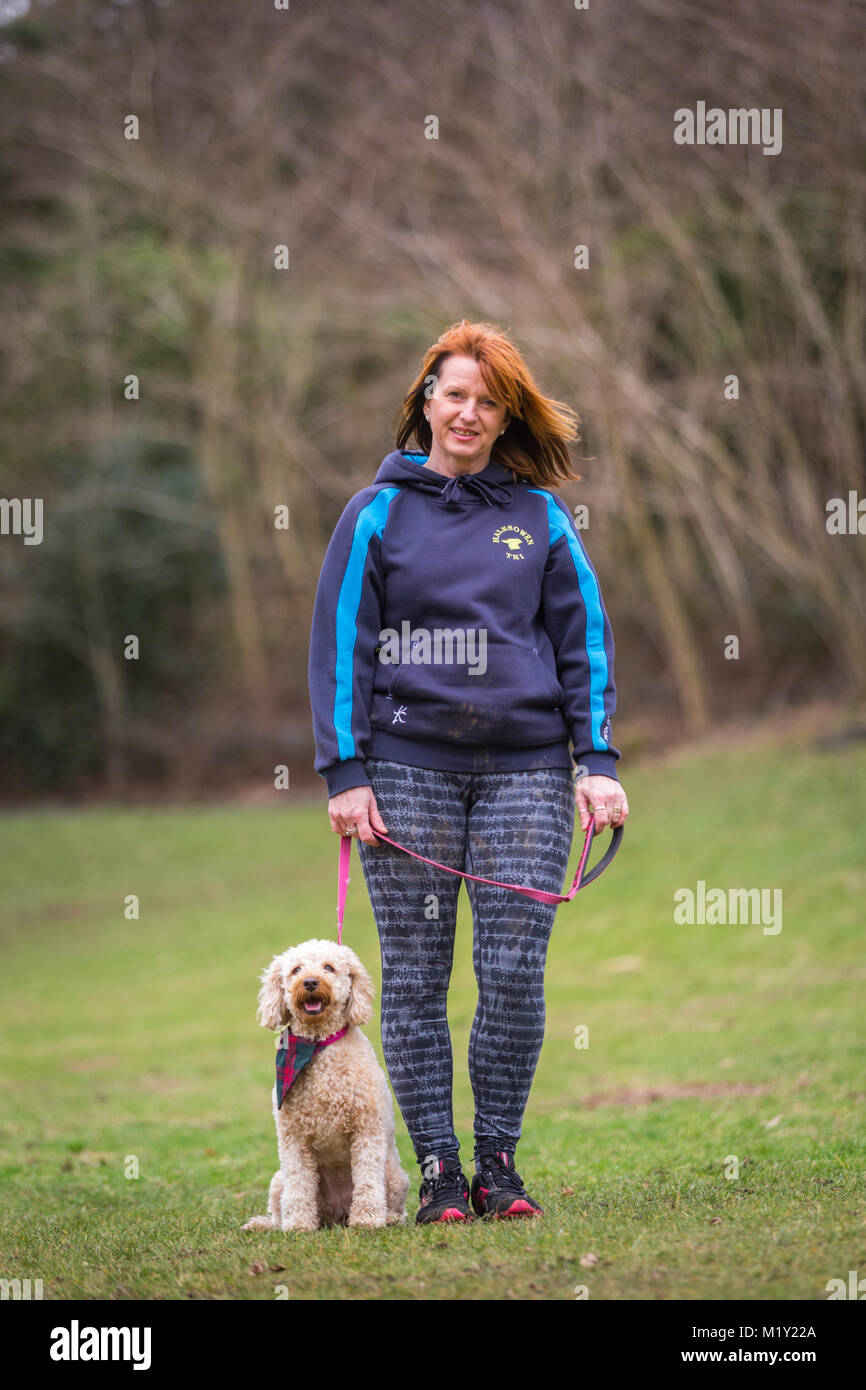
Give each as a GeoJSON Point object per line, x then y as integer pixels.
{"type": "Point", "coordinates": [133, 1042]}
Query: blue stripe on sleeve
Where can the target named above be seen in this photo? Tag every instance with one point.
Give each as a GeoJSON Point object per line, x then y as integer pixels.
{"type": "Point", "coordinates": [589, 592]}
{"type": "Point", "coordinates": [370, 522]}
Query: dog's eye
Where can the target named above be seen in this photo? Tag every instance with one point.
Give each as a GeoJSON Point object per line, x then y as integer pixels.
{"type": "Point", "coordinates": [296, 969]}
{"type": "Point", "coordinates": [330, 967]}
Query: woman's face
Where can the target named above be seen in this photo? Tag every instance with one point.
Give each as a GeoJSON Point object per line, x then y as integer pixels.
{"type": "Point", "coordinates": [465, 419]}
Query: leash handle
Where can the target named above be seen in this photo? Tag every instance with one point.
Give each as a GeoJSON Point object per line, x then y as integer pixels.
{"type": "Point", "coordinates": [581, 879]}
{"type": "Point", "coordinates": [343, 882]}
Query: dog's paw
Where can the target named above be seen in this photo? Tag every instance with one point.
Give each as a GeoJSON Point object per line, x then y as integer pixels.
{"type": "Point", "coordinates": [370, 1217]}
{"type": "Point", "coordinates": [258, 1223]}
{"type": "Point", "coordinates": [299, 1223]}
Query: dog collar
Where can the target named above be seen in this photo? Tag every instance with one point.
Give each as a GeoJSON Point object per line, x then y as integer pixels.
{"type": "Point", "coordinates": [293, 1054]}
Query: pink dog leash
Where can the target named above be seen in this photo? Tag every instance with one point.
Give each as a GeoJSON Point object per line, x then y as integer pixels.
{"type": "Point", "coordinates": [580, 879]}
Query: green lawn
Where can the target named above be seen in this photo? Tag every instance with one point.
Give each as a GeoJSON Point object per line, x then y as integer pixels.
{"type": "Point", "coordinates": [137, 1038]}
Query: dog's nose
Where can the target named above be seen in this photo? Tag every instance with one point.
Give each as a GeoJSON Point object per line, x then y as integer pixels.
{"type": "Point", "coordinates": [311, 984]}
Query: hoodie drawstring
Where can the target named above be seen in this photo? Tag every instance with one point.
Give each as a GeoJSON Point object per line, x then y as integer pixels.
{"type": "Point", "coordinates": [489, 490]}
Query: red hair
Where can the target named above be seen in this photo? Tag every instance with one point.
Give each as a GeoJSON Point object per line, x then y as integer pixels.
{"type": "Point", "coordinates": [534, 445]}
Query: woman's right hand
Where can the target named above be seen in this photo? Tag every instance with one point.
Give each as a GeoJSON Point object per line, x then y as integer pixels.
{"type": "Point", "coordinates": [356, 808]}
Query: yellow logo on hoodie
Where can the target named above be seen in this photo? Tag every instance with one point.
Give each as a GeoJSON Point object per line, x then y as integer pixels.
{"type": "Point", "coordinates": [513, 544]}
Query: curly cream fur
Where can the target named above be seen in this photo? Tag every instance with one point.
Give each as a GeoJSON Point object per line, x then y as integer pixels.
{"type": "Point", "coordinates": [335, 1132]}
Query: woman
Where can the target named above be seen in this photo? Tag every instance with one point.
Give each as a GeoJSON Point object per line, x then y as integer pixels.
{"type": "Point", "coordinates": [458, 641]}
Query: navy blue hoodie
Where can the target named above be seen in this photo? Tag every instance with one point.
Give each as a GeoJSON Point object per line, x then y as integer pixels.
{"type": "Point", "coordinates": [480, 589]}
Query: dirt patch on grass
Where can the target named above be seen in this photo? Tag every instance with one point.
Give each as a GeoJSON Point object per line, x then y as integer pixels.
{"type": "Point", "coordinates": [159, 1082]}
{"type": "Point", "coordinates": [105, 1062]}
{"type": "Point", "coordinates": [645, 1095]}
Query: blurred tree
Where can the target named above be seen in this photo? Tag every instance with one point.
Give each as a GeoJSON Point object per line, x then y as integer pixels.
{"type": "Point", "coordinates": [263, 388]}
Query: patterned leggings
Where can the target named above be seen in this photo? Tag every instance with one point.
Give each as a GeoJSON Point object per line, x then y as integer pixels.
{"type": "Point", "coordinates": [513, 826]}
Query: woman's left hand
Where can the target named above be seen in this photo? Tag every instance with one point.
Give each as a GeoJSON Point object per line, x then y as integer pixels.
{"type": "Point", "coordinates": [604, 796]}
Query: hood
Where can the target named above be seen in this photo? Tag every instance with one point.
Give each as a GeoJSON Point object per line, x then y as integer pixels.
{"type": "Point", "coordinates": [495, 485]}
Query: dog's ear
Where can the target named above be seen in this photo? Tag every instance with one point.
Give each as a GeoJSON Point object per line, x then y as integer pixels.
{"type": "Point", "coordinates": [359, 1009]}
{"type": "Point", "coordinates": [272, 1012]}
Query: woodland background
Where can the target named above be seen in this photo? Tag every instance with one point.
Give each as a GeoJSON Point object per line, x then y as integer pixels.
{"type": "Point", "coordinates": [261, 388]}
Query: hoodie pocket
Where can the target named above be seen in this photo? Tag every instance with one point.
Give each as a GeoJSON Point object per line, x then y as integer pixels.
{"type": "Point", "coordinates": [516, 699]}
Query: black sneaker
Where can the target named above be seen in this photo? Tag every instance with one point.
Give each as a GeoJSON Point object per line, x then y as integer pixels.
{"type": "Point", "coordinates": [444, 1197]}
{"type": "Point", "coordinates": [497, 1189]}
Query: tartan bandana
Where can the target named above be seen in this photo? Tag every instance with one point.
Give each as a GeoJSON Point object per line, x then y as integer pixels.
{"type": "Point", "coordinates": [293, 1054]}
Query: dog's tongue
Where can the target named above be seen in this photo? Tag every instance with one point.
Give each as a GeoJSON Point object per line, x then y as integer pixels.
{"type": "Point", "coordinates": [314, 1008]}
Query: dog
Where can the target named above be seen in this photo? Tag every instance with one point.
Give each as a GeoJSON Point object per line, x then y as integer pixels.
{"type": "Point", "coordinates": [335, 1128]}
